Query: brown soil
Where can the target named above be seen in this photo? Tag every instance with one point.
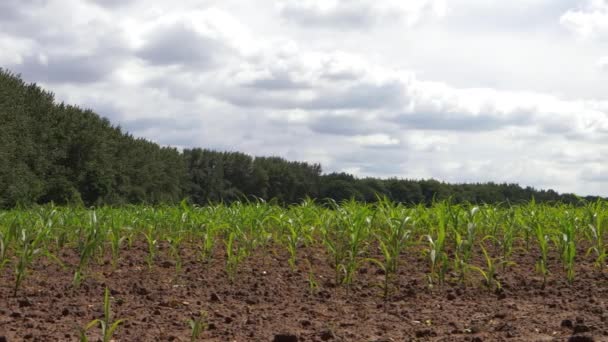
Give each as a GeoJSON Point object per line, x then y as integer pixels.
{"type": "Point", "coordinates": [270, 302]}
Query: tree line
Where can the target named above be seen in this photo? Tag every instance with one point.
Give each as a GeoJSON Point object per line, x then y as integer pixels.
{"type": "Point", "coordinates": [53, 152]}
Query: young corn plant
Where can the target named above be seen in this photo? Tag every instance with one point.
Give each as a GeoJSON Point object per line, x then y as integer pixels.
{"type": "Point", "coordinates": [209, 233]}
{"type": "Point", "coordinates": [92, 243]}
{"type": "Point", "coordinates": [392, 240]}
{"type": "Point", "coordinates": [464, 244]}
{"type": "Point", "coordinates": [27, 250]}
{"type": "Point", "coordinates": [117, 239]}
{"type": "Point", "coordinates": [5, 240]}
{"type": "Point", "coordinates": [542, 239]}
{"type": "Point", "coordinates": [436, 249]}
{"type": "Point", "coordinates": [357, 220]}
{"type": "Point", "coordinates": [335, 239]}
{"type": "Point", "coordinates": [568, 249]}
{"type": "Point", "coordinates": [596, 228]}
{"type": "Point", "coordinates": [175, 241]}
{"type": "Point", "coordinates": [291, 235]}
{"type": "Point", "coordinates": [107, 323]}
{"type": "Point", "coordinates": [491, 265]}
{"type": "Point", "coordinates": [508, 235]}
{"type": "Point", "coordinates": [198, 325]}
{"type": "Point", "coordinates": [30, 246]}
{"type": "Point", "coordinates": [152, 243]}
{"type": "Point", "coordinates": [235, 254]}
{"type": "Point", "coordinates": [6, 237]}
{"type": "Point", "coordinates": [313, 285]}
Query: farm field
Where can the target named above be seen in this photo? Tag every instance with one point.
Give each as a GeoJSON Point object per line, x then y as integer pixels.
{"type": "Point", "coordinates": [308, 272]}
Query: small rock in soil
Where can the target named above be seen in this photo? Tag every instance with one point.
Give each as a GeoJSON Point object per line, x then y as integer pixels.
{"type": "Point", "coordinates": [500, 315]}
{"type": "Point", "coordinates": [567, 323]}
{"type": "Point", "coordinates": [214, 297]}
{"type": "Point", "coordinates": [3, 339]}
{"type": "Point", "coordinates": [285, 338]}
{"type": "Point", "coordinates": [15, 314]}
{"type": "Point", "coordinates": [424, 333]}
{"type": "Point", "coordinates": [167, 264]}
{"type": "Point", "coordinates": [581, 328]}
{"type": "Point", "coordinates": [326, 335]}
{"type": "Point", "coordinates": [24, 303]}
{"type": "Point", "coordinates": [451, 296]}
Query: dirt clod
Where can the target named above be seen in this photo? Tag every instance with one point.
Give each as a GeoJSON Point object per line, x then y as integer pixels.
{"type": "Point", "coordinates": [581, 328]}
{"type": "Point", "coordinates": [214, 297]}
{"type": "Point", "coordinates": [326, 335]}
{"type": "Point", "coordinates": [24, 303]}
{"type": "Point", "coordinates": [566, 323]}
{"type": "Point", "coordinates": [285, 338]}
{"type": "Point", "coordinates": [424, 333]}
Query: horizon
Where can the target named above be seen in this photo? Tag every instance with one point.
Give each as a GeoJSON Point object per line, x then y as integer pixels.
{"type": "Point", "coordinates": [467, 92]}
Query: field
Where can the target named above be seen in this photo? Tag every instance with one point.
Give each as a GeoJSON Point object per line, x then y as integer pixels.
{"type": "Point", "coordinates": [308, 272]}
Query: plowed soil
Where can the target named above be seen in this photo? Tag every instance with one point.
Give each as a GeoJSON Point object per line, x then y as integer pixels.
{"type": "Point", "coordinates": [269, 302]}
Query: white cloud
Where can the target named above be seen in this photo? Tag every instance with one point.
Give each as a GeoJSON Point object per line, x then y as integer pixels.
{"type": "Point", "coordinates": [375, 140]}
{"type": "Point", "coordinates": [589, 21]}
{"type": "Point", "coordinates": [602, 63]}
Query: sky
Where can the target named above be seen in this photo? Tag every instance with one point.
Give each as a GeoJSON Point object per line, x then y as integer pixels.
{"type": "Point", "coordinates": [460, 90]}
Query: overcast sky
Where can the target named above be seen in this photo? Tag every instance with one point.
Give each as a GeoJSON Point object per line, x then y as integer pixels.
{"type": "Point", "coordinates": [458, 90]}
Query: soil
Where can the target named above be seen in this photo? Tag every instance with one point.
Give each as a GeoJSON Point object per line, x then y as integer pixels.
{"type": "Point", "coordinates": [268, 301]}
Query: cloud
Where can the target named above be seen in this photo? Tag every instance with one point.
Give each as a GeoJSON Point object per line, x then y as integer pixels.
{"type": "Point", "coordinates": [589, 21]}
{"type": "Point", "coordinates": [358, 14]}
{"type": "Point", "coordinates": [66, 68]}
{"type": "Point", "coordinates": [345, 124]}
{"type": "Point", "coordinates": [602, 63]}
{"type": "Point", "coordinates": [180, 44]}
{"type": "Point", "coordinates": [112, 4]}
{"type": "Point", "coordinates": [376, 140]}
{"type": "Point", "coordinates": [596, 173]}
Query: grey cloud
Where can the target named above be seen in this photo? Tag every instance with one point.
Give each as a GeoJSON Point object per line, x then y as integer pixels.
{"type": "Point", "coordinates": [181, 123]}
{"type": "Point", "coordinates": [339, 125]}
{"type": "Point", "coordinates": [350, 14]}
{"type": "Point", "coordinates": [455, 121]}
{"type": "Point", "coordinates": [345, 16]}
{"type": "Point", "coordinates": [13, 10]}
{"type": "Point", "coordinates": [66, 69]}
{"type": "Point", "coordinates": [359, 96]}
{"type": "Point", "coordinates": [180, 45]}
{"type": "Point", "coordinates": [277, 81]}
{"type": "Point", "coordinates": [594, 175]}
{"type": "Point", "coordinates": [506, 15]}
{"type": "Point", "coordinates": [106, 109]}
{"type": "Point", "coordinates": [372, 162]}
{"type": "Point", "coordinates": [112, 4]}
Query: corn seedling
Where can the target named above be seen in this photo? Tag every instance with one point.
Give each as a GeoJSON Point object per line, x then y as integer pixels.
{"type": "Point", "coordinates": [198, 325]}
{"type": "Point", "coordinates": [107, 323]}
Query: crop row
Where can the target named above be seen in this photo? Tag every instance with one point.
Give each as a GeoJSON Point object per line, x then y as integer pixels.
{"type": "Point", "coordinates": [450, 236]}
